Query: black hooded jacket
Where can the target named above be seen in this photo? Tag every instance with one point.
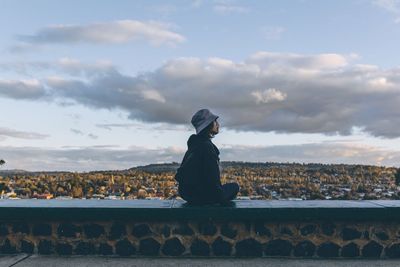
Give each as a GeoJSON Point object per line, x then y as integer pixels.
{"type": "Point", "coordinates": [199, 174]}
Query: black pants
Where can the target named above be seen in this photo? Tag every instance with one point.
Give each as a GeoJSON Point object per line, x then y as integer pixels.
{"type": "Point", "coordinates": [230, 191]}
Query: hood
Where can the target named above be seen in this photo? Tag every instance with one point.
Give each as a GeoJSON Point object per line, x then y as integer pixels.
{"type": "Point", "coordinates": [196, 140]}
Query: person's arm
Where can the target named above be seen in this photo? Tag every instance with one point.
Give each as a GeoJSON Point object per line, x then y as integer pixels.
{"type": "Point", "coordinates": [211, 172]}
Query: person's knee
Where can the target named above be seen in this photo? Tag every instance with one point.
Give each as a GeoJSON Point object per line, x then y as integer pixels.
{"type": "Point", "coordinates": [237, 187]}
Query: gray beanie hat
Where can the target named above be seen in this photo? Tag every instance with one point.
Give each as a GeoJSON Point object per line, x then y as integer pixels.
{"type": "Point", "coordinates": [202, 118]}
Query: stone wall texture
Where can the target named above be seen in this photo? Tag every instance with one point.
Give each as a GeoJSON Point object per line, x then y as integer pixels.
{"type": "Point", "coordinates": [319, 239]}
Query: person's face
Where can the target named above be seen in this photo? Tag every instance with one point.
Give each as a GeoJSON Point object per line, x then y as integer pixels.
{"type": "Point", "coordinates": [215, 128]}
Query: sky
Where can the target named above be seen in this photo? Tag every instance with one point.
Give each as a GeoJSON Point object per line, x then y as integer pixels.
{"type": "Point", "coordinates": [100, 85]}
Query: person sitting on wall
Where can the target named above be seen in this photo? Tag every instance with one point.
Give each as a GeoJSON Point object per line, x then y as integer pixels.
{"type": "Point", "coordinates": [199, 173]}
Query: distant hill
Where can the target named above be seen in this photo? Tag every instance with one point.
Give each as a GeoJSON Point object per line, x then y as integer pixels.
{"type": "Point", "coordinates": [172, 167]}
{"type": "Point", "coordinates": [158, 168]}
{"type": "Point", "coordinates": [13, 171]}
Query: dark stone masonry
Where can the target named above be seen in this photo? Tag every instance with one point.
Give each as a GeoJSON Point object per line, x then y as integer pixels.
{"type": "Point", "coordinates": [300, 229]}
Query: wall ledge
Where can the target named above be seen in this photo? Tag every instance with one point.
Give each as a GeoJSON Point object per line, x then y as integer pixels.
{"type": "Point", "coordinates": [160, 210]}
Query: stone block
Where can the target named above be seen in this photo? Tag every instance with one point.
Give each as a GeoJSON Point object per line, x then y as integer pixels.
{"type": "Point", "coordinates": [350, 250]}
{"type": "Point", "coordinates": [248, 248]}
{"type": "Point", "coordinates": [105, 249]}
{"type": "Point", "coordinates": [20, 227]}
{"type": "Point", "coordinates": [328, 250]}
{"type": "Point", "coordinates": [45, 247]}
{"type": "Point", "coordinates": [220, 247]}
{"type": "Point", "coordinates": [393, 251]}
{"type": "Point", "coordinates": [149, 247]}
{"type": "Point", "coordinates": [304, 249]}
{"type": "Point", "coordinates": [117, 231]}
{"type": "Point", "coordinates": [372, 250]}
{"type": "Point", "coordinates": [328, 228]}
{"type": "Point", "coordinates": [350, 234]}
{"type": "Point", "coordinates": [261, 230]}
{"type": "Point", "coordinates": [41, 229]}
{"type": "Point", "coordinates": [124, 248]}
{"type": "Point", "coordinates": [207, 228]}
{"type": "Point", "coordinates": [141, 230]}
{"type": "Point", "coordinates": [308, 229]}
{"type": "Point", "coordinates": [286, 231]}
{"type": "Point", "coordinates": [85, 248]}
{"type": "Point", "coordinates": [278, 247]}
{"type": "Point", "coordinates": [173, 247]}
{"type": "Point", "coordinates": [7, 247]}
{"type": "Point", "coordinates": [93, 230]}
{"type": "Point", "coordinates": [166, 231]}
{"type": "Point", "coordinates": [382, 236]}
{"type": "Point", "coordinates": [228, 231]}
{"type": "Point", "coordinates": [183, 229]}
{"type": "Point", "coordinates": [26, 246]}
{"type": "Point", "coordinates": [68, 230]}
{"type": "Point", "coordinates": [3, 229]}
{"type": "Point", "coordinates": [200, 248]}
{"type": "Point", "coordinates": [64, 249]}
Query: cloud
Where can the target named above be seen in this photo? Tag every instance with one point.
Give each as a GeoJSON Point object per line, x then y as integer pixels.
{"type": "Point", "coordinates": [7, 132]}
{"type": "Point", "coordinates": [115, 32]}
{"type": "Point", "coordinates": [197, 3]}
{"type": "Point", "coordinates": [391, 6]}
{"type": "Point", "coordinates": [227, 7]}
{"type": "Point", "coordinates": [85, 158]}
{"type": "Point", "coordinates": [164, 9]}
{"type": "Point", "coordinates": [270, 60]}
{"type": "Point", "coordinates": [92, 136]}
{"type": "Point", "coordinates": [140, 126]}
{"type": "Point", "coordinates": [153, 95]}
{"type": "Point", "coordinates": [22, 89]}
{"type": "Point", "coordinates": [76, 131]}
{"type": "Point", "coordinates": [79, 132]}
{"type": "Point", "coordinates": [108, 157]}
{"type": "Point", "coordinates": [65, 66]}
{"type": "Point", "coordinates": [327, 153]}
{"type": "Point", "coordinates": [281, 92]}
{"type": "Point", "coordinates": [268, 96]}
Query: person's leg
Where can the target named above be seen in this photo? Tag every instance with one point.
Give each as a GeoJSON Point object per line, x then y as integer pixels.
{"type": "Point", "coordinates": [194, 199]}
{"type": "Point", "coordinates": [230, 190]}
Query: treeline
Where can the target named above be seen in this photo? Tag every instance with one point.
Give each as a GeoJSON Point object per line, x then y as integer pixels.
{"type": "Point", "coordinates": [256, 180]}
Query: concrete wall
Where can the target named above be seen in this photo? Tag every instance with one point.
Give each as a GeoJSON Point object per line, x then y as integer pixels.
{"type": "Point", "coordinates": [310, 229]}
{"type": "Point", "coordinates": [207, 238]}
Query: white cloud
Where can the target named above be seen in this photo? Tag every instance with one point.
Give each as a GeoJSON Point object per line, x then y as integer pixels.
{"type": "Point", "coordinates": [153, 95]}
{"type": "Point", "coordinates": [322, 93]}
{"type": "Point", "coordinates": [122, 31]}
{"type": "Point", "coordinates": [270, 60]}
{"type": "Point", "coordinates": [7, 132]}
{"type": "Point", "coordinates": [268, 96]}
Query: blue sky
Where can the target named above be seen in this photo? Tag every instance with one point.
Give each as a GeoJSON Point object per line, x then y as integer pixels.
{"type": "Point", "coordinates": [90, 85]}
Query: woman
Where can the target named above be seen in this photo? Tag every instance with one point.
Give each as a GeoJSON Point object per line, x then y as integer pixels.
{"type": "Point", "coordinates": [199, 173]}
